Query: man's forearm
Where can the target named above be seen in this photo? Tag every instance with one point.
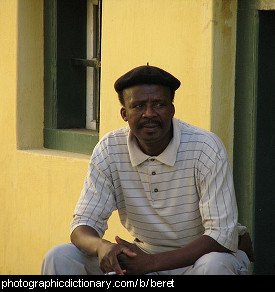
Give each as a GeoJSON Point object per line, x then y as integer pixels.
{"type": "Point", "coordinates": [86, 239]}
{"type": "Point", "coordinates": [187, 255]}
{"type": "Point", "coordinates": [89, 242]}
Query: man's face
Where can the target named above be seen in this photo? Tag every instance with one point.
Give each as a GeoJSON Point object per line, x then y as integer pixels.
{"type": "Point", "coordinates": [149, 111]}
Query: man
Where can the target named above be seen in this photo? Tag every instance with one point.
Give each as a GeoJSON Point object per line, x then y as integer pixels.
{"type": "Point", "coordinates": [171, 184]}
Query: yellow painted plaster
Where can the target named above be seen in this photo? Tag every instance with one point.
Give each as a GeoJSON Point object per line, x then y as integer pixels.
{"type": "Point", "coordinates": [38, 188]}
{"type": "Point", "coordinates": [265, 4]}
{"type": "Point", "coordinates": [223, 71]}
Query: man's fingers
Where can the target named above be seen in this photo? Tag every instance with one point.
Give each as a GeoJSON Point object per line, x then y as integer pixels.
{"type": "Point", "coordinates": [127, 250]}
{"type": "Point", "coordinates": [111, 264]}
{"type": "Point", "coordinates": [121, 241]}
{"type": "Point", "coordinates": [117, 269]}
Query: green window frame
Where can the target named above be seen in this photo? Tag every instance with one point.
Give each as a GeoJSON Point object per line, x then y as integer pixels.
{"type": "Point", "coordinates": [71, 69]}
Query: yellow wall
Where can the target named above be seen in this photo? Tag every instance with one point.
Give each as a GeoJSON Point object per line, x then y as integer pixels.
{"type": "Point", "coordinates": [39, 187]}
{"type": "Point", "coordinates": [223, 44]}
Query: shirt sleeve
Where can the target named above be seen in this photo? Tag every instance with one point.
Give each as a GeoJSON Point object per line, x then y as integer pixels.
{"type": "Point", "coordinates": [218, 203]}
{"type": "Point", "coordinates": [97, 201]}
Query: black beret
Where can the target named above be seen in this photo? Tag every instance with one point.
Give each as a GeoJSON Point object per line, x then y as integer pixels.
{"type": "Point", "coordinates": [146, 75]}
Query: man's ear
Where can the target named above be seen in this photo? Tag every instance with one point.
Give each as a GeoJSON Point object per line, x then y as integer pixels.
{"type": "Point", "coordinates": [173, 110]}
{"type": "Point", "coordinates": [123, 114]}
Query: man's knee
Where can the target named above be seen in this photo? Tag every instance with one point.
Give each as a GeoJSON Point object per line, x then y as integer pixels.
{"type": "Point", "coordinates": [58, 251]}
{"type": "Point", "coordinates": [67, 259]}
{"type": "Point", "coordinates": [216, 263]}
{"type": "Point", "coordinates": [59, 259]}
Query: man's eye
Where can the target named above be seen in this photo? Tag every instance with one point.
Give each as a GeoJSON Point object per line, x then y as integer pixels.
{"type": "Point", "coordinates": [158, 105]}
{"type": "Point", "coordinates": [139, 106]}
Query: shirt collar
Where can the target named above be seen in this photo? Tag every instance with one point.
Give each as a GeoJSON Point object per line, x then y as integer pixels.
{"type": "Point", "coordinates": [168, 156]}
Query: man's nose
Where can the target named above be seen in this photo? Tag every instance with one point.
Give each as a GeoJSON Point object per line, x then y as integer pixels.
{"type": "Point", "coordinates": [149, 112]}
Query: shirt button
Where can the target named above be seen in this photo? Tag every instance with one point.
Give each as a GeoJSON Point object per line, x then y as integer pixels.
{"type": "Point", "coordinates": [153, 172]}
{"type": "Point", "coordinates": [152, 159]}
{"type": "Point", "coordinates": [156, 190]}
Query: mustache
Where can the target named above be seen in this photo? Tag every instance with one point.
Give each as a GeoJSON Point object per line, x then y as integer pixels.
{"type": "Point", "coordinates": [148, 121]}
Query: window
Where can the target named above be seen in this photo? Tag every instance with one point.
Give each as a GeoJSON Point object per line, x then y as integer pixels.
{"type": "Point", "coordinates": [72, 74]}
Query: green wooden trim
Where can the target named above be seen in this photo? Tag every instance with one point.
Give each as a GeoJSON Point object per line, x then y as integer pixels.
{"type": "Point", "coordinates": [50, 63]}
{"type": "Point", "coordinates": [63, 99]}
{"type": "Point", "coordinates": [253, 144]}
{"type": "Point", "coordinates": [79, 141]}
{"type": "Point", "coordinates": [97, 25]}
{"type": "Point", "coordinates": [245, 111]}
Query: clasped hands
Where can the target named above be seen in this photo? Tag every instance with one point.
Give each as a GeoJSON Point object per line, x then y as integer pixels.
{"type": "Point", "coordinates": [123, 257]}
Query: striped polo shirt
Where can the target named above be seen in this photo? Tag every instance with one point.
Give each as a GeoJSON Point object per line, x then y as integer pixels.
{"type": "Point", "coordinates": [165, 201]}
